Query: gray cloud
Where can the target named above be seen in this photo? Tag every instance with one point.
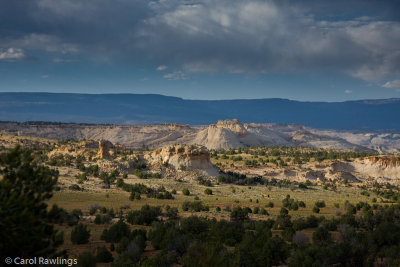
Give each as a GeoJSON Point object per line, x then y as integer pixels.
{"type": "Point", "coordinates": [45, 42]}
{"type": "Point", "coordinates": [260, 36]}
{"type": "Point", "coordinates": [215, 35]}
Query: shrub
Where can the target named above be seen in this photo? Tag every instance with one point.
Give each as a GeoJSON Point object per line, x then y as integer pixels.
{"type": "Point", "coordinates": [239, 214]}
{"type": "Point", "coordinates": [103, 255]}
{"type": "Point", "coordinates": [135, 195]}
{"type": "Point", "coordinates": [315, 209]}
{"type": "Point", "coordinates": [320, 204]}
{"type": "Point", "coordinates": [292, 204]}
{"type": "Point", "coordinates": [75, 187]}
{"type": "Point", "coordinates": [102, 219]}
{"type": "Point", "coordinates": [80, 234]}
{"type": "Point", "coordinates": [263, 211]}
{"type": "Point", "coordinates": [60, 216]}
{"type": "Point", "coordinates": [365, 193]}
{"type": "Point", "coordinates": [138, 173]}
{"type": "Point", "coordinates": [321, 235]}
{"type": "Point", "coordinates": [195, 206]}
{"type": "Point", "coordinates": [303, 186]}
{"type": "Point", "coordinates": [186, 192]}
{"type": "Point", "coordinates": [81, 177]}
{"type": "Point", "coordinates": [208, 191]}
{"type": "Point", "coordinates": [116, 232]}
{"type": "Point", "coordinates": [171, 213]}
{"type": "Point", "coordinates": [203, 181]}
{"type": "Point", "coordinates": [145, 216]}
{"type": "Point", "coordinates": [93, 208]}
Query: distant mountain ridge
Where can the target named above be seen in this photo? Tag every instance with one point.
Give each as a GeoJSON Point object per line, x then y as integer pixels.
{"type": "Point", "coordinates": [371, 115]}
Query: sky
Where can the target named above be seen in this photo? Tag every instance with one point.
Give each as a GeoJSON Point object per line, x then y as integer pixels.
{"type": "Point", "coordinates": [212, 49]}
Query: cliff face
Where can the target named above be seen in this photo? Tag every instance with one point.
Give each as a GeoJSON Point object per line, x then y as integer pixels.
{"type": "Point", "coordinates": [384, 161]}
{"type": "Point", "coordinates": [185, 157]}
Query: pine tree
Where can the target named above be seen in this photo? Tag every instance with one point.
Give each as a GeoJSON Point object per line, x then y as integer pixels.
{"type": "Point", "coordinates": [25, 228]}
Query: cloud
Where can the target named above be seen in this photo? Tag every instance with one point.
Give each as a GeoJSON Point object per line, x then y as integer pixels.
{"type": "Point", "coordinates": [348, 91]}
{"type": "Point", "coordinates": [234, 36]}
{"type": "Point", "coordinates": [176, 75]}
{"type": "Point", "coordinates": [44, 42]}
{"type": "Point", "coordinates": [161, 68]}
{"type": "Point", "coordinates": [12, 54]}
{"type": "Point", "coordinates": [265, 37]}
{"type": "Point", "coordinates": [395, 84]}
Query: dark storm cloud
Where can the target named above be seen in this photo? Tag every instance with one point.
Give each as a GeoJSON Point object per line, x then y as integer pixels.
{"type": "Point", "coordinates": [69, 26]}
{"type": "Point", "coordinates": [359, 38]}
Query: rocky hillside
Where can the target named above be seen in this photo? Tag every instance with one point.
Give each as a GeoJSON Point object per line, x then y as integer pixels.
{"type": "Point", "coordinates": [223, 134]}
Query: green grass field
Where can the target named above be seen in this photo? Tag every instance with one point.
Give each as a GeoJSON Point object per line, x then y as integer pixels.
{"type": "Point", "coordinates": [223, 195]}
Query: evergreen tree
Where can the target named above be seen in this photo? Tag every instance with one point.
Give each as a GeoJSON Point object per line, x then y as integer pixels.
{"type": "Point", "coordinates": [80, 234]}
{"type": "Point", "coordinates": [25, 228]}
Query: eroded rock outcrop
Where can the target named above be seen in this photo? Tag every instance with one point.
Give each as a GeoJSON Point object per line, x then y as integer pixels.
{"type": "Point", "coordinates": [234, 125]}
{"type": "Point", "coordinates": [384, 161]}
{"type": "Point", "coordinates": [232, 134]}
{"type": "Point", "coordinates": [314, 175]}
{"type": "Point", "coordinates": [104, 149]}
{"type": "Point", "coordinates": [184, 157]}
{"type": "Point", "coordinates": [224, 134]}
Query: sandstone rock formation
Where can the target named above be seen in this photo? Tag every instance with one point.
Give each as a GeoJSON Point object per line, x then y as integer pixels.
{"type": "Point", "coordinates": [383, 169]}
{"type": "Point", "coordinates": [224, 134]}
{"type": "Point", "coordinates": [72, 150]}
{"type": "Point", "coordinates": [233, 134]}
{"type": "Point", "coordinates": [104, 149]}
{"type": "Point", "coordinates": [89, 144]}
{"type": "Point", "coordinates": [384, 161]}
{"type": "Point", "coordinates": [184, 157]}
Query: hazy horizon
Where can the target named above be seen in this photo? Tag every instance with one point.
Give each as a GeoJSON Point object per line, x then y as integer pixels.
{"type": "Point", "coordinates": [199, 99]}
